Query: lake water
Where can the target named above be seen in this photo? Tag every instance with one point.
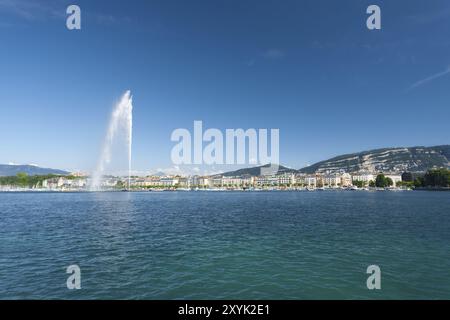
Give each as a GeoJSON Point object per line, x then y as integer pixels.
{"type": "Point", "coordinates": [225, 245]}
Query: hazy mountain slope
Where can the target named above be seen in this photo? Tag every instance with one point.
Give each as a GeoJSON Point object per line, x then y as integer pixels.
{"type": "Point", "coordinates": [255, 171]}
{"type": "Point", "coordinates": [387, 159]}
{"type": "Point", "coordinates": [12, 170]}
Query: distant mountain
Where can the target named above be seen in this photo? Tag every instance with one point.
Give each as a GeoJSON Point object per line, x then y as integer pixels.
{"type": "Point", "coordinates": [255, 171]}
{"type": "Point", "coordinates": [159, 174]}
{"type": "Point", "coordinates": [412, 159]}
{"type": "Point", "coordinates": [31, 170]}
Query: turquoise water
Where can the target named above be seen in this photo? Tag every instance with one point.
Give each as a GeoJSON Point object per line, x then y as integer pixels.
{"type": "Point", "coordinates": [225, 245]}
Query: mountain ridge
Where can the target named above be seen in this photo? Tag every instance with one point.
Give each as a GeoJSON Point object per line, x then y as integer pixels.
{"type": "Point", "coordinates": [255, 171]}
{"type": "Point", "coordinates": [399, 159]}
{"type": "Point", "coordinates": [31, 170]}
{"type": "Point", "coordinates": [414, 159]}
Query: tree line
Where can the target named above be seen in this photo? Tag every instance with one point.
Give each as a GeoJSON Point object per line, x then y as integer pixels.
{"type": "Point", "coordinates": [23, 180]}
{"type": "Point", "coordinates": [434, 178]}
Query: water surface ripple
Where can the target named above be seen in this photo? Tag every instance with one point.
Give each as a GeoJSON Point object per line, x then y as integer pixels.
{"type": "Point", "coordinates": [225, 245]}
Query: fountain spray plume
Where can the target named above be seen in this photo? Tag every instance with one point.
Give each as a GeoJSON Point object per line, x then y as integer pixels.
{"type": "Point", "coordinates": [121, 122]}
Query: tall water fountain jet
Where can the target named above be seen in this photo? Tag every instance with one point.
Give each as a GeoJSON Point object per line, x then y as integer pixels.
{"type": "Point", "coordinates": [121, 122]}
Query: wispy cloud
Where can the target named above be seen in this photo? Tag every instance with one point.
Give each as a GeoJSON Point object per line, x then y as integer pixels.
{"type": "Point", "coordinates": [109, 19]}
{"type": "Point", "coordinates": [31, 10]}
{"type": "Point", "coordinates": [269, 54]}
{"type": "Point", "coordinates": [429, 79]}
{"type": "Point", "coordinates": [273, 54]}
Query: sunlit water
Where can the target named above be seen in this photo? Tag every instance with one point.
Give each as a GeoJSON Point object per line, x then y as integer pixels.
{"type": "Point", "coordinates": [225, 245]}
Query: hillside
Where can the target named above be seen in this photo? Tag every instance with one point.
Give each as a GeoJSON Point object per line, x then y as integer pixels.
{"type": "Point", "coordinates": [255, 171]}
{"type": "Point", "coordinates": [414, 159]}
{"type": "Point", "coordinates": [31, 170]}
{"type": "Point", "coordinates": [388, 159]}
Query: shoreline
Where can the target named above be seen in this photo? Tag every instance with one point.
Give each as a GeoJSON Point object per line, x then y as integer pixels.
{"type": "Point", "coordinates": [267, 189]}
{"type": "Point", "coordinates": [213, 190]}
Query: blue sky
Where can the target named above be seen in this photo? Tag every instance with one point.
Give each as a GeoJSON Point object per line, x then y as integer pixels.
{"type": "Point", "coordinates": [310, 68]}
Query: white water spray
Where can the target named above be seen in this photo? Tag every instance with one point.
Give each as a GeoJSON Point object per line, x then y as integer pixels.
{"type": "Point", "coordinates": [121, 122]}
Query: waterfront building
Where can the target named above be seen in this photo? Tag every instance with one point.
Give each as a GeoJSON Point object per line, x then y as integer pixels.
{"type": "Point", "coordinates": [53, 183]}
{"type": "Point", "coordinates": [311, 181]}
{"type": "Point", "coordinates": [78, 174]}
{"type": "Point", "coordinates": [169, 181]}
{"type": "Point", "coordinates": [153, 181]}
{"type": "Point", "coordinates": [231, 182]}
{"type": "Point", "coordinates": [364, 177]}
{"type": "Point", "coordinates": [184, 182]}
{"type": "Point", "coordinates": [139, 182]}
{"type": "Point", "coordinates": [194, 181]}
{"type": "Point", "coordinates": [79, 183]}
{"type": "Point", "coordinates": [205, 182]}
{"type": "Point", "coordinates": [332, 179]}
{"type": "Point", "coordinates": [262, 181]}
{"type": "Point", "coordinates": [217, 182]}
{"type": "Point", "coordinates": [286, 179]}
{"type": "Point", "coordinates": [300, 179]}
{"type": "Point", "coordinates": [248, 180]}
{"type": "Point", "coordinates": [346, 179]}
{"type": "Point", "coordinates": [64, 183]}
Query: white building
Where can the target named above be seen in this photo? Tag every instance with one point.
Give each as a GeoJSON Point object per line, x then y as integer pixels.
{"type": "Point", "coordinates": [205, 182]}
{"type": "Point", "coordinates": [286, 179]}
{"type": "Point", "coordinates": [169, 181]}
{"type": "Point", "coordinates": [332, 180]}
{"type": "Point", "coordinates": [364, 177]}
{"type": "Point", "coordinates": [231, 182]}
{"type": "Point", "coordinates": [346, 180]}
{"type": "Point", "coordinates": [185, 182]}
{"type": "Point", "coordinates": [311, 181]}
{"type": "Point", "coordinates": [266, 181]}
{"type": "Point", "coordinates": [64, 183]}
{"type": "Point", "coordinates": [79, 183]}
